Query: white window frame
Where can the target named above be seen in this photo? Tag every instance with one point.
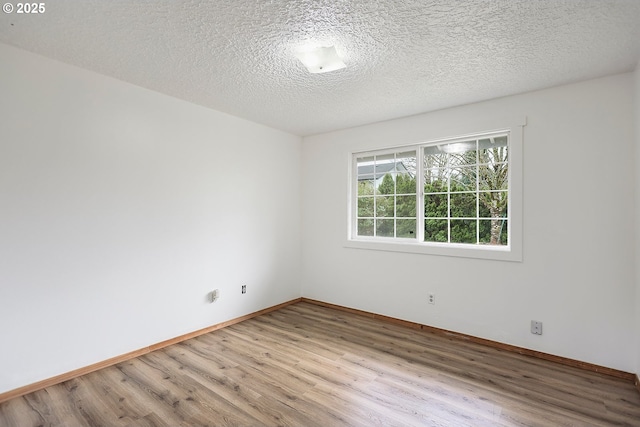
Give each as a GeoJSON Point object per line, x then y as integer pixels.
{"type": "Point", "coordinates": [510, 252]}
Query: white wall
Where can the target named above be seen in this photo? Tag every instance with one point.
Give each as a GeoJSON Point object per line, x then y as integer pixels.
{"type": "Point", "coordinates": [121, 208]}
{"type": "Point", "coordinates": [637, 187]}
{"type": "Point", "coordinates": [577, 274]}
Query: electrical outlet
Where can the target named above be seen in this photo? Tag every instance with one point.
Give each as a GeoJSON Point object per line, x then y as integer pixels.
{"type": "Point", "coordinates": [432, 299]}
{"type": "Point", "coordinates": [213, 295]}
{"type": "Point", "coordinates": [536, 327]}
{"type": "Point", "coordinates": [244, 289]}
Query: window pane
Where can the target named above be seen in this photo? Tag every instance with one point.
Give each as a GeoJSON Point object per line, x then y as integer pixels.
{"type": "Point", "coordinates": [365, 186]}
{"type": "Point", "coordinates": [493, 232]}
{"type": "Point", "coordinates": [432, 174]}
{"type": "Point", "coordinates": [436, 181]}
{"type": "Point", "coordinates": [461, 153]}
{"type": "Point", "coordinates": [406, 228]}
{"type": "Point", "coordinates": [493, 176]}
{"type": "Point", "coordinates": [504, 233]}
{"type": "Point", "coordinates": [463, 205]}
{"type": "Point", "coordinates": [463, 179]}
{"type": "Point", "coordinates": [435, 205]}
{"type": "Point", "coordinates": [368, 159]}
{"type": "Point", "coordinates": [406, 163]}
{"type": "Point", "coordinates": [435, 230]}
{"type": "Point", "coordinates": [433, 150]}
{"type": "Point", "coordinates": [494, 204]}
{"type": "Point", "coordinates": [501, 141]}
{"type": "Point", "coordinates": [365, 166]}
{"type": "Point", "coordinates": [406, 206]}
{"type": "Point", "coordinates": [386, 184]}
{"type": "Point", "coordinates": [434, 158]}
{"type": "Point", "coordinates": [405, 184]}
{"type": "Point", "coordinates": [365, 227]}
{"type": "Point", "coordinates": [434, 163]}
{"type": "Point", "coordinates": [384, 206]}
{"type": "Point", "coordinates": [365, 206]}
{"type": "Point", "coordinates": [463, 231]}
{"type": "Point", "coordinates": [493, 150]}
{"type": "Point", "coordinates": [384, 227]}
{"type": "Point", "coordinates": [407, 155]}
{"type": "Point", "coordinates": [484, 143]}
{"type": "Point", "coordinates": [385, 158]}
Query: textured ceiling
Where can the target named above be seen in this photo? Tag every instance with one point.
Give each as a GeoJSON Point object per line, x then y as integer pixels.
{"type": "Point", "coordinates": [403, 57]}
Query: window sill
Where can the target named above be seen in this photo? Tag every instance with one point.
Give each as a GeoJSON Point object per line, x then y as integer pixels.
{"type": "Point", "coordinates": [496, 253]}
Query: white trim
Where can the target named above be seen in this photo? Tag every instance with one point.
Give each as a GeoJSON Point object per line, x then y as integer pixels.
{"type": "Point", "coordinates": [500, 253]}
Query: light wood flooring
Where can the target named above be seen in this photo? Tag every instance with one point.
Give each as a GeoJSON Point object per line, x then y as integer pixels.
{"type": "Point", "coordinates": [307, 365]}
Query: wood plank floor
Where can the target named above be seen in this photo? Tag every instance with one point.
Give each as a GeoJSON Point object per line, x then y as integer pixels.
{"type": "Point", "coordinates": [306, 365]}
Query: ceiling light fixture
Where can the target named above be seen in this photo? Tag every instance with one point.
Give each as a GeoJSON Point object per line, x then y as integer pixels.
{"type": "Point", "coordinates": [321, 60]}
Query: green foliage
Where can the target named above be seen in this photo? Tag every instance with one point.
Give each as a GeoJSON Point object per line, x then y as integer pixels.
{"type": "Point", "coordinates": [365, 227]}
{"type": "Point", "coordinates": [435, 230]}
{"type": "Point", "coordinates": [365, 207]}
{"type": "Point", "coordinates": [405, 184]}
{"type": "Point", "coordinates": [463, 205]}
{"type": "Point", "coordinates": [365, 187]}
{"type": "Point", "coordinates": [406, 228]}
{"type": "Point", "coordinates": [395, 198]}
{"type": "Point", "coordinates": [463, 202]}
{"type": "Point", "coordinates": [463, 231]}
{"type": "Point", "coordinates": [384, 227]}
{"type": "Point", "coordinates": [435, 205]}
{"type": "Point", "coordinates": [385, 206]}
{"type": "Point", "coordinates": [406, 206]}
{"type": "Point", "coordinates": [436, 186]}
{"type": "Point", "coordinates": [387, 186]}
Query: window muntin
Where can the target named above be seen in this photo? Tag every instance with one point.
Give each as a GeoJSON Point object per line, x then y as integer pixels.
{"type": "Point", "coordinates": [464, 197]}
{"type": "Point", "coordinates": [386, 195]}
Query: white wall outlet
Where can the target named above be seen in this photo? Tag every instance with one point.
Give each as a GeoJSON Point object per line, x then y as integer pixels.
{"type": "Point", "coordinates": [432, 299]}
{"type": "Point", "coordinates": [536, 327]}
{"type": "Point", "coordinates": [213, 295]}
{"type": "Point", "coordinates": [244, 289]}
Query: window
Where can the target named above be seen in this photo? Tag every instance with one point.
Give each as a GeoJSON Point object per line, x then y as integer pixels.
{"type": "Point", "coordinates": [449, 197]}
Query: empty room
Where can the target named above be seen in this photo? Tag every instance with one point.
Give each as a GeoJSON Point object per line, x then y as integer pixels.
{"type": "Point", "coordinates": [320, 213]}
